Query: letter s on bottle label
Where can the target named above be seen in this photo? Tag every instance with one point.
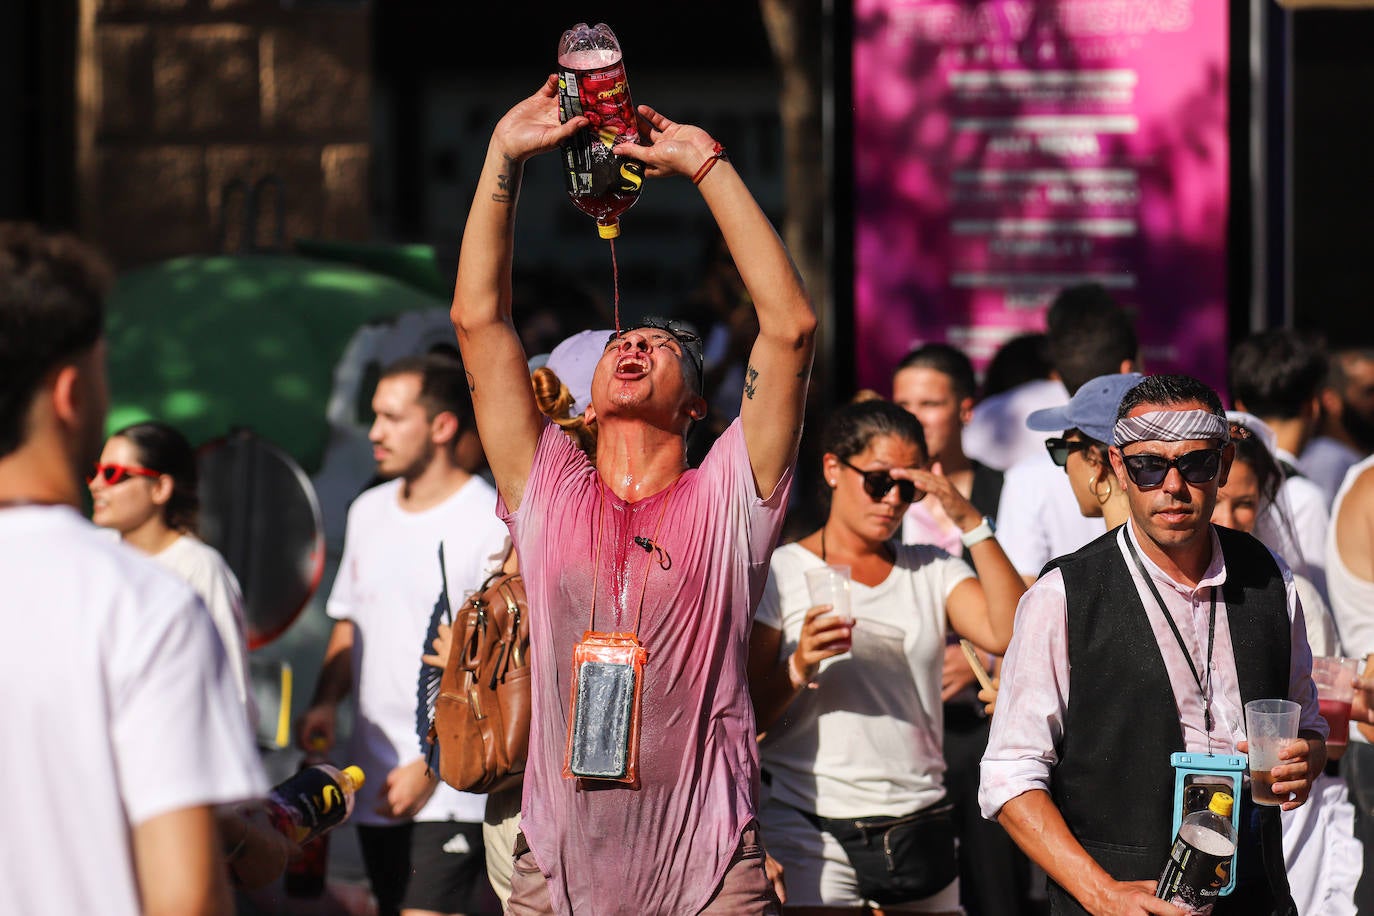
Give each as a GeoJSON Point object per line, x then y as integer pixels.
{"type": "Point", "coordinates": [631, 175]}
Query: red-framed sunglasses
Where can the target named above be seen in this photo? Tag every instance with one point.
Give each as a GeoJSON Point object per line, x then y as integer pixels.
{"type": "Point", "coordinates": [114, 473]}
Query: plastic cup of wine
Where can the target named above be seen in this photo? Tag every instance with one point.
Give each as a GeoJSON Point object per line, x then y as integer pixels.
{"type": "Point", "coordinates": [1335, 680]}
{"type": "Point", "coordinates": [1270, 726]}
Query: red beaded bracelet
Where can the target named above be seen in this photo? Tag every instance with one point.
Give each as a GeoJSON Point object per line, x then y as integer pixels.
{"type": "Point", "coordinates": [717, 153]}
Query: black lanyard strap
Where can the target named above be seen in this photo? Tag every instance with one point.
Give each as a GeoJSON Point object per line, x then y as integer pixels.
{"type": "Point", "coordinates": [1204, 692]}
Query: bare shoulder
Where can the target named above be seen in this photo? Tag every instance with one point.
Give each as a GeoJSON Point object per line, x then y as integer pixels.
{"type": "Point", "coordinates": [1363, 487]}
{"type": "Point", "coordinates": [1357, 505]}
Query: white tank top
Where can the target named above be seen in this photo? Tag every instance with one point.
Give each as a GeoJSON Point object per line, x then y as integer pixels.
{"type": "Point", "coordinates": [1352, 598]}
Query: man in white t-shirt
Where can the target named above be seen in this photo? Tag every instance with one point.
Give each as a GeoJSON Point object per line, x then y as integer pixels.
{"type": "Point", "coordinates": [1017, 381]}
{"type": "Point", "coordinates": [996, 433]}
{"type": "Point", "coordinates": [1277, 375]}
{"type": "Point", "coordinates": [1345, 434]}
{"type": "Point", "coordinates": [122, 730]}
{"type": "Point", "coordinates": [421, 839]}
{"type": "Point", "coordinates": [1038, 518]}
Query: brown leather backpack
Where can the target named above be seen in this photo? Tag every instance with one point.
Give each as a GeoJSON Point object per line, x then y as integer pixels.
{"type": "Point", "coordinates": [482, 714]}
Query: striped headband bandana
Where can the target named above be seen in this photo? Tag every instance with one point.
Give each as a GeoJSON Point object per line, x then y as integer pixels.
{"type": "Point", "coordinates": [1170, 426]}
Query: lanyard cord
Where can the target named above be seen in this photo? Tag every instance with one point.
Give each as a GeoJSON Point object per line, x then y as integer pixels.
{"type": "Point", "coordinates": [1205, 692]}
{"type": "Point", "coordinates": [648, 561]}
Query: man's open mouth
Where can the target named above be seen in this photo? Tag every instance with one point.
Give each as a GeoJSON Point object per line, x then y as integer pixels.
{"type": "Point", "coordinates": [632, 366]}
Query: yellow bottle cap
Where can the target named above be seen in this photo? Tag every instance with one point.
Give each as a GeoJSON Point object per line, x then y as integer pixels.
{"type": "Point", "coordinates": [608, 230]}
{"type": "Point", "coordinates": [1222, 804]}
{"type": "Point", "coordinates": [355, 776]}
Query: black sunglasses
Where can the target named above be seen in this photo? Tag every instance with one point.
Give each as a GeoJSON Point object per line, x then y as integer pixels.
{"type": "Point", "coordinates": [1196, 467]}
{"type": "Point", "coordinates": [1061, 449]}
{"type": "Point", "coordinates": [877, 484]}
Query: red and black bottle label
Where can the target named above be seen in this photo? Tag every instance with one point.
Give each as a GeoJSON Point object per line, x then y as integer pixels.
{"type": "Point", "coordinates": [590, 169]}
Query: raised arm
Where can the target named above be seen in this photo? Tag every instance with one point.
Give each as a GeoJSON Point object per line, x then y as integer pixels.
{"type": "Point", "coordinates": [984, 608]}
{"type": "Point", "coordinates": [492, 354]}
{"type": "Point", "coordinates": [779, 365]}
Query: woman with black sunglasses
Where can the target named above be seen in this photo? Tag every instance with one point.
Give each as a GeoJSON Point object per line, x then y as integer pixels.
{"type": "Point", "coordinates": [1084, 425]}
{"type": "Point", "coordinates": [852, 713]}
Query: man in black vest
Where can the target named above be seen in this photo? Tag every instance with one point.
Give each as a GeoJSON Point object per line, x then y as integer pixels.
{"type": "Point", "coordinates": [1169, 626]}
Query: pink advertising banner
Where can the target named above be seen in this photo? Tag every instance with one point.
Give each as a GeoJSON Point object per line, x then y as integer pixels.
{"type": "Point", "coordinates": [1005, 149]}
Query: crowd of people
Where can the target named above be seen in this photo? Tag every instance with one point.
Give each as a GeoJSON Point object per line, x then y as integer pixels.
{"type": "Point", "coordinates": [1130, 561]}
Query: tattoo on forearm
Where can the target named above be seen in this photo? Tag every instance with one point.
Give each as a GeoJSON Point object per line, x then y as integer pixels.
{"type": "Point", "coordinates": [751, 379]}
{"type": "Point", "coordinates": [508, 182]}
{"type": "Point", "coordinates": [472, 383]}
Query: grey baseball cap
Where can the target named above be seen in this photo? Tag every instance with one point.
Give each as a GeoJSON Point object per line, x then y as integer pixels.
{"type": "Point", "coordinates": [574, 360]}
{"type": "Point", "coordinates": [1092, 409]}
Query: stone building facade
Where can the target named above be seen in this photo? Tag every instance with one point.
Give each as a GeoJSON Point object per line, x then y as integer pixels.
{"type": "Point", "coordinates": [194, 115]}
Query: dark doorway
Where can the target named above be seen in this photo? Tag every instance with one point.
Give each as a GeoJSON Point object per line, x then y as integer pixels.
{"type": "Point", "coordinates": [37, 111]}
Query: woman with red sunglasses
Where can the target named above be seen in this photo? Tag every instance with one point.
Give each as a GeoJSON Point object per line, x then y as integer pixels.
{"type": "Point", "coordinates": [852, 712]}
{"type": "Point", "coordinates": [145, 488]}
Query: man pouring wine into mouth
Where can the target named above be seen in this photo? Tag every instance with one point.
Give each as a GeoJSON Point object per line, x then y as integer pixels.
{"type": "Point", "coordinates": [642, 574]}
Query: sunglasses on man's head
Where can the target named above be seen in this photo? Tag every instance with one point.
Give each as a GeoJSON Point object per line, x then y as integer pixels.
{"type": "Point", "coordinates": [877, 484]}
{"type": "Point", "coordinates": [1196, 467]}
{"type": "Point", "coordinates": [115, 473]}
{"type": "Point", "coordinates": [1060, 449]}
{"type": "Point", "coordinates": [683, 336]}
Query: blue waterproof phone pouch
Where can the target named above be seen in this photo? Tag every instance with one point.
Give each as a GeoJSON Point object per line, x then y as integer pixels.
{"type": "Point", "coordinates": [1197, 777]}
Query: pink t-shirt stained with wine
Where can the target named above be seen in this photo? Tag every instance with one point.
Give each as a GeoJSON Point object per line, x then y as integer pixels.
{"type": "Point", "coordinates": [664, 847]}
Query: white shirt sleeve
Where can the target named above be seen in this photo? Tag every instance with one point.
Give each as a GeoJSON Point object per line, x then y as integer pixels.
{"type": "Point", "coordinates": [769, 612]}
{"type": "Point", "coordinates": [1032, 700]}
{"type": "Point", "coordinates": [341, 602]}
{"type": "Point", "coordinates": [495, 545]}
{"type": "Point", "coordinates": [1020, 528]}
{"type": "Point", "coordinates": [1321, 629]}
{"type": "Point", "coordinates": [180, 737]}
{"type": "Point", "coordinates": [1296, 525]}
{"type": "Point", "coordinates": [1301, 689]}
{"type": "Point", "coordinates": [1312, 521]}
{"type": "Point", "coordinates": [953, 573]}
{"type": "Point", "coordinates": [215, 583]}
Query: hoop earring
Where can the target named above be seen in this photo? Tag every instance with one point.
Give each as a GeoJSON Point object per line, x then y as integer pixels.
{"type": "Point", "coordinates": [1102, 500]}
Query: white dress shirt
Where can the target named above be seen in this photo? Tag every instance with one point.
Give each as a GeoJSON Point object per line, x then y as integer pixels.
{"type": "Point", "coordinates": [1033, 700]}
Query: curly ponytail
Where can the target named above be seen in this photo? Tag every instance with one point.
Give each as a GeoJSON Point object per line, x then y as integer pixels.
{"type": "Point", "coordinates": [556, 402]}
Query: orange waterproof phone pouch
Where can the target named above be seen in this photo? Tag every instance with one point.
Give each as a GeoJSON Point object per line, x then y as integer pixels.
{"type": "Point", "coordinates": [607, 685]}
